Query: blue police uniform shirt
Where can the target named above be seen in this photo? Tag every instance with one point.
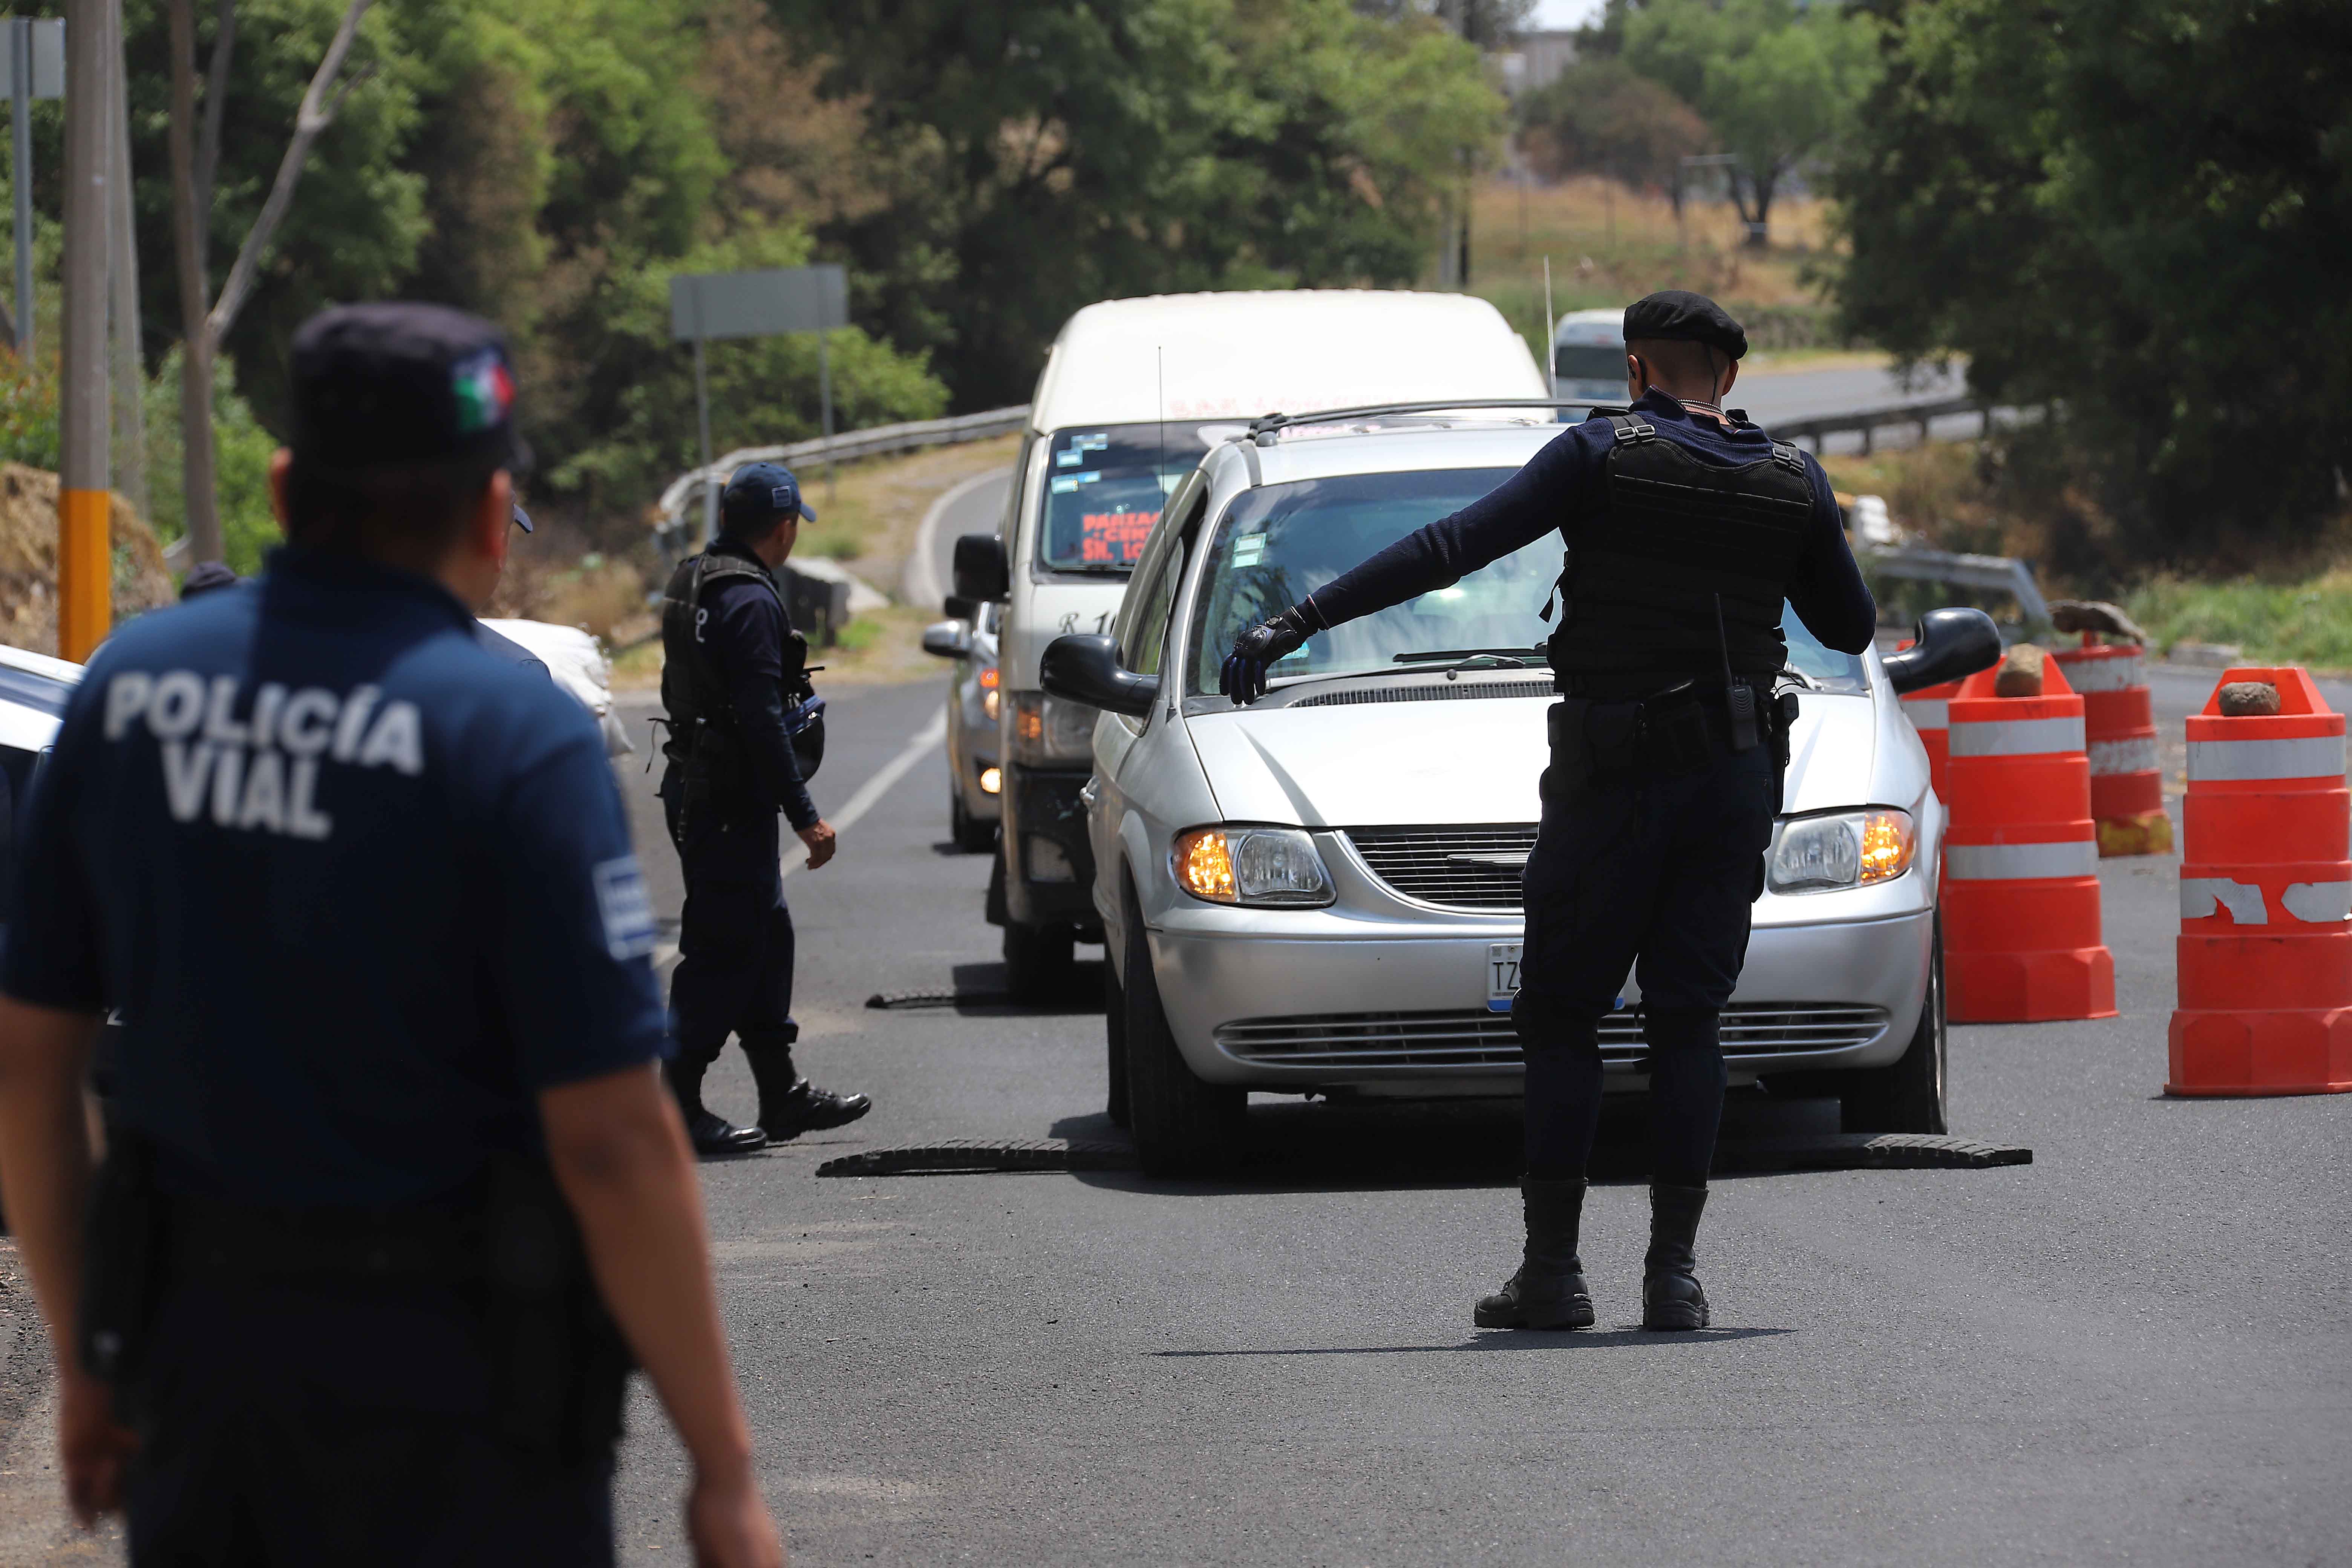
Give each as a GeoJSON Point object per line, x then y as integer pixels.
{"type": "Point", "coordinates": [1565, 487]}
{"type": "Point", "coordinates": [357, 889]}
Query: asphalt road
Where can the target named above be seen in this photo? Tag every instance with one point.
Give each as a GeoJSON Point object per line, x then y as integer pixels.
{"type": "Point", "coordinates": [2132, 1350]}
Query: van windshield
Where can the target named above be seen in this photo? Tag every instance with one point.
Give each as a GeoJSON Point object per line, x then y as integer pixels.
{"type": "Point", "coordinates": [1279, 543]}
{"type": "Point", "coordinates": [1104, 484]}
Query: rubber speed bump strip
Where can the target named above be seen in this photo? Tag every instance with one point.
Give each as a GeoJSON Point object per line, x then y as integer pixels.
{"type": "Point", "coordinates": [1894, 1151]}
{"type": "Point", "coordinates": [1830, 1152]}
{"type": "Point", "coordinates": [949, 998]}
{"type": "Point", "coordinates": [964, 1154]}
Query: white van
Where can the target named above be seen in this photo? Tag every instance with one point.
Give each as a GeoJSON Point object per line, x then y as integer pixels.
{"type": "Point", "coordinates": [1133, 392]}
{"type": "Point", "coordinates": [1587, 356]}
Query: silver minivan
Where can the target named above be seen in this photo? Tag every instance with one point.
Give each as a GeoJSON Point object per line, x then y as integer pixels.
{"type": "Point", "coordinates": [1319, 894]}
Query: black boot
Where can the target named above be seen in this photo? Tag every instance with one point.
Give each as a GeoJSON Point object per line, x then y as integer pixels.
{"type": "Point", "coordinates": [1548, 1290]}
{"type": "Point", "coordinates": [1671, 1297]}
{"type": "Point", "coordinates": [712, 1134]}
{"type": "Point", "coordinates": [789, 1104]}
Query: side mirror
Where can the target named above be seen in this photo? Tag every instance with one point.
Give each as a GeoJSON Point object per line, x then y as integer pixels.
{"type": "Point", "coordinates": [947, 639]}
{"type": "Point", "coordinates": [1084, 669]}
{"type": "Point", "coordinates": [981, 572]}
{"type": "Point", "coordinates": [961, 608]}
{"type": "Point", "coordinates": [1950, 644]}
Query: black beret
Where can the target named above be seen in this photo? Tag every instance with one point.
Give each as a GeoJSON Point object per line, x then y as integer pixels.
{"type": "Point", "coordinates": [1678, 314]}
{"type": "Point", "coordinates": [391, 383]}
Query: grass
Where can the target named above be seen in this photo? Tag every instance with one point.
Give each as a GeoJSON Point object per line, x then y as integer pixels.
{"type": "Point", "coordinates": [2307, 622]}
{"type": "Point", "coordinates": [1609, 246]}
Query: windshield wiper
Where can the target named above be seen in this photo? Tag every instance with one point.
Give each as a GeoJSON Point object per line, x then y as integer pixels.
{"type": "Point", "coordinates": [1792, 672]}
{"type": "Point", "coordinates": [1522, 656]}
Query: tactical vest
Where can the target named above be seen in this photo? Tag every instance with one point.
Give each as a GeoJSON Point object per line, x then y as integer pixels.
{"type": "Point", "coordinates": [704, 735]}
{"type": "Point", "coordinates": [1640, 599]}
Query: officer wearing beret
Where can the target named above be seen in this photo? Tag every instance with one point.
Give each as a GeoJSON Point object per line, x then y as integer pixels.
{"type": "Point", "coordinates": [734, 681]}
{"type": "Point", "coordinates": [1686, 529]}
{"type": "Point", "coordinates": [393, 1192]}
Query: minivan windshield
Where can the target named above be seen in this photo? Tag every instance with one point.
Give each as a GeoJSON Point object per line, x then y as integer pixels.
{"type": "Point", "coordinates": [1278, 543]}
{"type": "Point", "coordinates": [1104, 484]}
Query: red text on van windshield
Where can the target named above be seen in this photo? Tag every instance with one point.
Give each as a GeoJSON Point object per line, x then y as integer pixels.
{"type": "Point", "coordinates": [1111, 536]}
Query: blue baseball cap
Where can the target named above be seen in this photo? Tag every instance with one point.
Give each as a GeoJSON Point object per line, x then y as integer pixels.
{"type": "Point", "coordinates": [391, 383]}
{"type": "Point", "coordinates": [763, 490]}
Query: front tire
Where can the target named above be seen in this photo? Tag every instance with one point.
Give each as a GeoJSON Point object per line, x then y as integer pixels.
{"type": "Point", "coordinates": [1037, 961]}
{"type": "Point", "coordinates": [1115, 1042]}
{"type": "Point", "coordinates": [973, 835]}
{"type": "Point", "coordinates": [1184, 1127]}
{"type": "Point", "coordinates": [1909, 1095]}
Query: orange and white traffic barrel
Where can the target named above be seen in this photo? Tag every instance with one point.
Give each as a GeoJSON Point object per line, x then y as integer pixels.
{"type": "Point", "coordinates": [1928, 708]}
{"type": "Point", "coordinates": [2021, 936]}
{"type": "Point", "coordinates": [2119, 732]}
{"type": "Point", "coordinates": [2265, 949]}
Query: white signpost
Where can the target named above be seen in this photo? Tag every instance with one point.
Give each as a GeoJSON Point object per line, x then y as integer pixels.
{"type": "Point", "coordinates": [33, 62]}
{"type": "Point", "coordinates": [764, 304]}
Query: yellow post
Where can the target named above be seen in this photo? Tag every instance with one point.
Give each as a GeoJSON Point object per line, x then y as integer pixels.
{"type": "Point", "coordinates": [85, 559]}
{"type": "Point", "coordinates": [84, 571]}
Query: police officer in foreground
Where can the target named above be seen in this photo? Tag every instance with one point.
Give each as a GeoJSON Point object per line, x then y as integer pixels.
{"type": "Point", "coordinates": [735, 684]}
{"type": "Point", "coordinates": [1686, 527]}
{"type": "Point", "coordinates": [393, 1192]}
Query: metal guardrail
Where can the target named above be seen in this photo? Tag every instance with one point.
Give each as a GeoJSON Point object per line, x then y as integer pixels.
{"type": "Point", "coordinates": [677, 501]}
{"type": "Point", "coordinates": [1867, 420]}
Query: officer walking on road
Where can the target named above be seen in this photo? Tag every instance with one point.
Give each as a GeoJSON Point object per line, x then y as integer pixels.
{"type": "Point", "coordinates": [742, 715]}
{"type": "Point", "coordinates": [1686, 527]}
{"type": "Point", "coordinates": [394, 1192]}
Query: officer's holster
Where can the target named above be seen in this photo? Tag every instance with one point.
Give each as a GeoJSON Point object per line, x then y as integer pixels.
{"type": "Point", "coordinates": [509, 1246]}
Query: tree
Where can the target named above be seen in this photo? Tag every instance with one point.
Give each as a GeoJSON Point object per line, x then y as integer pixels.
{"type": "Point", "coordinates": [1779, 84]}
{"type": "Point", "coordinates": [2138, 212]}
{"type": "Point", "coordinates": [1037, 155]}
{"type": "Point", "coordinates": [1600, 117]}
{"type": "Point", "coordinates": [195, 153]}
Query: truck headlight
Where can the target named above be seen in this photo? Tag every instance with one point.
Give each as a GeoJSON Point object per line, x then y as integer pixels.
{"type": "Point", "coordinates": [1851, 849]}
{"type": "Point", "coordinates": [1263, 867]}
{"type": "Point", "coordinates": [1045, 730]}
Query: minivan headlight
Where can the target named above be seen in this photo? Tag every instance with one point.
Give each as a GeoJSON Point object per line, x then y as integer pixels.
{"type": "Point", "coordinates": [1263, 867]}
{"type": "Point", "coordinates": [1046, 730]}
{"type": "Point", "coordinates": [1851, 849]}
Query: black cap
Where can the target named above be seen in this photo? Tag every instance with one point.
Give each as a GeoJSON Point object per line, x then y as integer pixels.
{"type": "Point", "coordinates": [758, 492]}
{"type": "Point", "coordinates": [387, 383]}
{"type": "Point", "coordinates": [1679, 315]}
{"type": "Point", "coordinates": [205, 577]}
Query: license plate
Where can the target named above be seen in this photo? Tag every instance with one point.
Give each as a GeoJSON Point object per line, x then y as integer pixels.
{"type": "Point", "coordinates": [1502, 975]}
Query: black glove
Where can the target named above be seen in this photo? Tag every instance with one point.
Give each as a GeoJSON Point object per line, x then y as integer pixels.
{"type": "Point", "coordinates": [1255, 650]}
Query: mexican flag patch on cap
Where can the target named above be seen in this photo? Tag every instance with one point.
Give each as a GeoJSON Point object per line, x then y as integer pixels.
{"type": "Point", "coordinates": [484, 390]}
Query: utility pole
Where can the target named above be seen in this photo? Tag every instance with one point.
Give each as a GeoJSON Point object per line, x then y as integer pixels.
{"type": "Point", "coordinates": [85, 557]}
{"type": "Point", "coordinates": [127, 359]}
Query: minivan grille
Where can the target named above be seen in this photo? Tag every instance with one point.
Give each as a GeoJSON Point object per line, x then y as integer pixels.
{"type": "Point", "coordinates": [1439, 691]}
{"type": "Point", "coordinates": [1464, 868]}
{"type": "Point", "coordinates": [1468, 1037]}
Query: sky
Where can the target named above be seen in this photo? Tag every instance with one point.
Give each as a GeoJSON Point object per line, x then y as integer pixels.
{"type": "Point", "coordinates": [1565, 14]}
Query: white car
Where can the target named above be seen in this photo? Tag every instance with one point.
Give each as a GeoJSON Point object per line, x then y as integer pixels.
{"type": "Point", "coordinates": [1587, 356]}
{"type": "Point", "coordinates": [974, 777]}
{"type": "Point", "coordinates": [1319, 894]}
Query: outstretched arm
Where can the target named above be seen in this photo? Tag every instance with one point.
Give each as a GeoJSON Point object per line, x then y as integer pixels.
{"type": "Point", "coordinates": [1522, 508]}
